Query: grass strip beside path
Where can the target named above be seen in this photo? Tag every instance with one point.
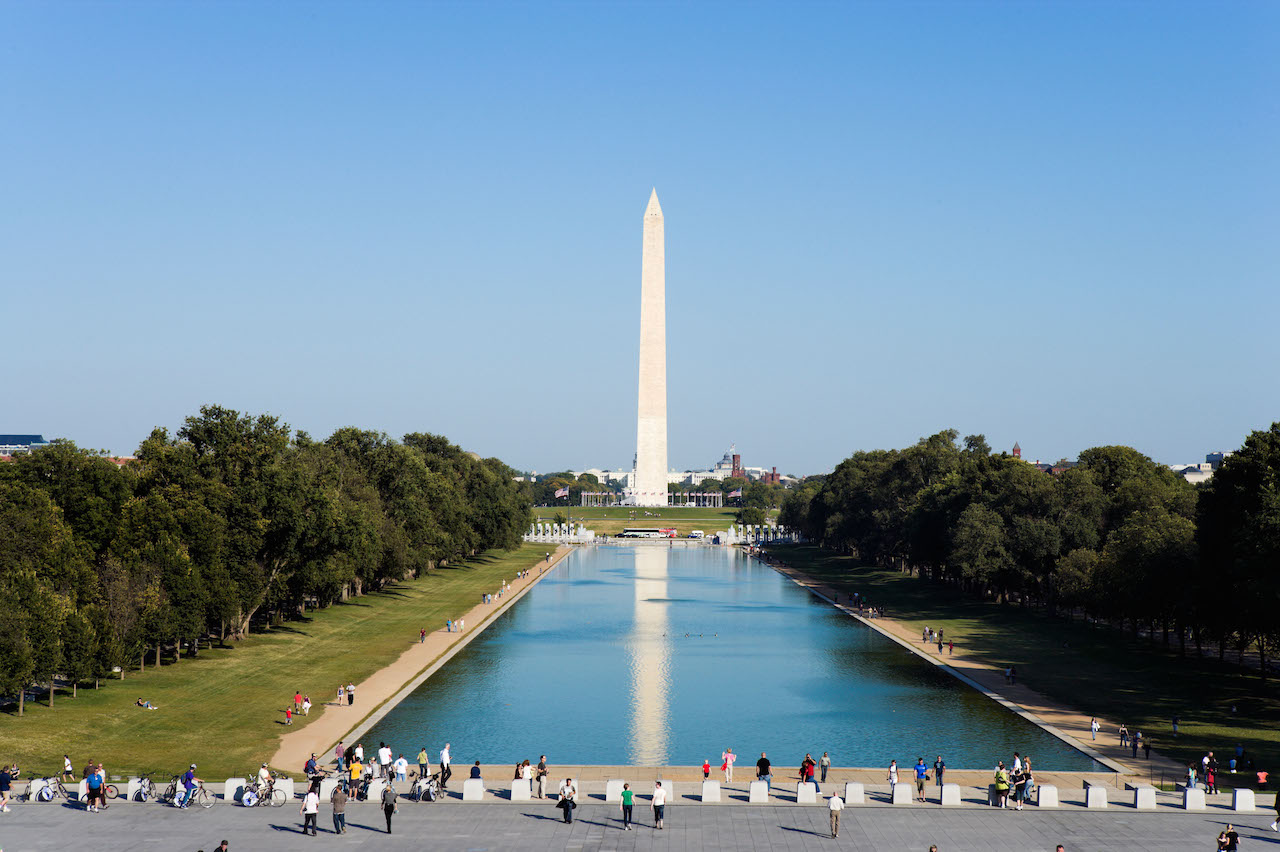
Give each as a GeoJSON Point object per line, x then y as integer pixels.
{"type": "Point", "coordinates": [1094, 669]}
{"type": "Point", "coordinates": [224, 709]}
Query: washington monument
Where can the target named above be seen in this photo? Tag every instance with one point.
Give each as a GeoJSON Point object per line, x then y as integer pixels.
{"type": "Point", "coordinates": [649, 488]}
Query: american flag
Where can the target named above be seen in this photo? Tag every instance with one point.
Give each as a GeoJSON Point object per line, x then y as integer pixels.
{"type": "Point", "coordinates": [737, 492]}
{"type": "Point", "coordinates": [562, 492]}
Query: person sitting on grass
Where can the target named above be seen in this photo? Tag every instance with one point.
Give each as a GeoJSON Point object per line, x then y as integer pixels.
{"type": "Point", "coordinates": [146, 705]}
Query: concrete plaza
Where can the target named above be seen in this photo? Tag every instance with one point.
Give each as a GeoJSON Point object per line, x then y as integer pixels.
{"type": "Point", "coordinates": [498, 824]}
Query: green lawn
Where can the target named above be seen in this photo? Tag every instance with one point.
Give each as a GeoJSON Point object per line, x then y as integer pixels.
{"type": "Point", "coordinates": [613, 519]}
{"type": "Point", "coordinates": [225, 709]}
{"type": "Point", "coordinates": [1093, 669]}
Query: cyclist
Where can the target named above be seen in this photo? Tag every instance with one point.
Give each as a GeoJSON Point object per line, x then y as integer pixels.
{"type": "Point", "coordinates": [189, 782]}
{"type": "Point", "coordinates": [264, 779]}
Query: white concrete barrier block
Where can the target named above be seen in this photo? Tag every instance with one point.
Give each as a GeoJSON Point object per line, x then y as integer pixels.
{"type": "Point", "coordinates": [132, 788]}
{"type": "Point", "coordinates": [374, 793]}
{"type": "Point", "coordinates": [806, 793]}
{"type": "Point", "coordinates": [327, 786]}
{"type": "Point", "coordinates": [33, 790]}
{"type": "Point", "coordinates": [854, 793]}
{"type": "Point", "coordinates": [1242, 800]}
{"type": "Point", "coordinates": [521, 790]}
{"type": "Point", "coordinates": [903, 794]}
{"type": "Point", "coordinates": [613, 790]}
{"type": "Point", "coordinates": [951, 794]}
{"type": "Point", "coordinates": [286, 784]}
{"type": "Point", "coordinates": [1095, 796]}
{"type": "Point", "coordinates": [1193, 800]}
{"type": "Point", "coordinates": [710, 791]}
{"type": "Point", "coordinates": [233, 789]}
{"type": "Point", "coordinates": [759, 794]}
{"type": "Point", "coordinates": [1144, 798]}
{"type": "Point", "coordinates": [82, 790]}
{"type": "Point", "coordinates": [473, 790]}
{"type": "Point", "coordinates": [1046, 796]}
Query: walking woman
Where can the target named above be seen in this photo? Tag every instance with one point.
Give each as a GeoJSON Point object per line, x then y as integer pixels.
{"type": "Point", "coordinates": [726, 764]}
{"type": "Point", "coordinates": [628, 800]}
{"type": "Point", "coordinates": [388, 803]}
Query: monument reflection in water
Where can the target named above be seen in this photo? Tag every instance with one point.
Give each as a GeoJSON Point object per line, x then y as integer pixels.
{"type": "Point", "coordinates": [650, 656]}
{"type": "Point", "coordinates": [657, 655]}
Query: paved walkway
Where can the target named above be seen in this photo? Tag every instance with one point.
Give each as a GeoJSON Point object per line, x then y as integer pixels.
{"type": "Point", "coordinates": [450, 825]}
{"type": "Point", "coordinates": [329, 723]}
{"type": "Point", "coordinates": [1040, 708]}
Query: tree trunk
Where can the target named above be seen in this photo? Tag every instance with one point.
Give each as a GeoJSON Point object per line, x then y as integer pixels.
{"type": "Point", "coordinates": [1182, 639]}
{"type": "Point", "coordinates": [142, 662]}
{"type": "Point", "coordinates": [22, 698]}
{"type": "Point", "coordinates": [74, 688]}
{"type": "Point", "coordinates": [53, 685]}
{"type": "Point", "coordinates": [157, 655]}
{"type": "Point", "coordinates": [1262, 656]}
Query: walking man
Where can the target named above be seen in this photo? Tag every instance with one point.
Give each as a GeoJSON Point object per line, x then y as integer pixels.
{"type": "Point", "coordinates": [922, 775]}
{"type": "Point", "coordinates": [339, 802]}
{"type": "Point", "coordinates": [388, 803]}
{"type": "Point", "coordinates": [423, 760]}
{"type": "Point", "coordinates": [764, 771]}
{"type": "Point", "coordinates": [351, 694]}
{"type": "Point", "coordinates": [445, 771]}
{"type": "Point", "coordinates": [659, 804]}
{"type": "Point", "coordinates": [568, 793]}
{"type": "Point", "coordinates": [892, 777]}
{"type": "Point", "coordinates": [939, 766]}
{"type": "Point", "coordinates": [824, 763]}
{"type": "Point", "coordinates": [541, 775]}
{"type": "Point", "coordinates": [837, 805]}
{"type": "Point", "coordinates": [310, 807]}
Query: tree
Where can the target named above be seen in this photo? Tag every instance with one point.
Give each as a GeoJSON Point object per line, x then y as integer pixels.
{"type": "Point", "coordinates": [79, 647]}
{"type": "Point", "coordinates": [17, 663]}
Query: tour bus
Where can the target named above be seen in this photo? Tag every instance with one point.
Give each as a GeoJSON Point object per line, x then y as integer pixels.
{"type": "Point", "coordinates": [648, 532]}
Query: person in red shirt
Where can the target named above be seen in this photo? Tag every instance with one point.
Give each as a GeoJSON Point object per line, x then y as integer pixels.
{"type": "Point", "coordinates": [288, 715]}
{"type": "Point", "coordinates": [706, 769]}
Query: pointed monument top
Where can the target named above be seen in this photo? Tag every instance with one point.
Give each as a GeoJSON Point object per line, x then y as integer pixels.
{"type": "Point", "coordinates": [654, 208]}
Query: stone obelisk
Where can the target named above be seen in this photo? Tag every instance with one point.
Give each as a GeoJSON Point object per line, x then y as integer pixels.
{"type": "Point", "coordinates": [650, 486]}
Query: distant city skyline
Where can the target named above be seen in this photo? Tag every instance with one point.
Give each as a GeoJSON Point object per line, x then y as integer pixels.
{"type": "Point", "coordinates": [1050, 223]}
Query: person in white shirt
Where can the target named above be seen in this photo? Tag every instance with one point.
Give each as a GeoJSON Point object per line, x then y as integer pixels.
{"type": "Point", "coordinates": [445, 771]}
{"type": "Point", "coordinates": [893, 776]}
{"type": "Point", "coordinates": [837, 805]}
{"type": "Point", "coordinates": [310, 807]}
{"type": "Point", "coordinates": [264, 777]}
{"type": "Point", "coordinates": [659, 803]}
{"type": "Point", "coordinates": [384, 760]}
{"type": "Point", "coordinates": [1017, 762]}
{"type": "Point", "coordinates": [402, 768]}
{"type": "Point", "coordinates": [68, 771]}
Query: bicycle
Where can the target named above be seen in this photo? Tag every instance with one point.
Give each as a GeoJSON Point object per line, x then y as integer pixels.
{"type": "Point", "coordinates": [170, 794]}
{"type": "Point", "coordinates": [50, 790]}
{"type": "Point", "coordinates": [204, 798]}
{"type": "Point", "coordinates": [256, 796]}
{"type": "Point", "coordinates": [146, 789]}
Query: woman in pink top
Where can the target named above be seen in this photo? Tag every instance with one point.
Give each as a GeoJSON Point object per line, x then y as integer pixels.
{"type": "Point", "coordinates": [727, 764]}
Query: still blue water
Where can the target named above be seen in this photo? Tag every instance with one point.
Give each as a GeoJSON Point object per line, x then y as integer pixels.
{"type": "Point", "coordinates": [665, 656]}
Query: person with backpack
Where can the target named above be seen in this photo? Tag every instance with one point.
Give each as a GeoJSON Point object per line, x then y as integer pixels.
{"type": "Point", "coordinates": [389, 803]}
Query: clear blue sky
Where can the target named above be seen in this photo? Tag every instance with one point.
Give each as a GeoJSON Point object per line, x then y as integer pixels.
{"type": "Point", "coordinates": [1053, 223]}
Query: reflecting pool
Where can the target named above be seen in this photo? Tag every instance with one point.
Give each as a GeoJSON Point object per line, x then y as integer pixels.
{"type": "Point", "coordinates": [654, 655]}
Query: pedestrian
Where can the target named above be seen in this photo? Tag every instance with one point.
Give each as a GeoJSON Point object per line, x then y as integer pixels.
{"type": "Point", "coordinates": [310, 807]}
{"type": "Point", "coordinates": [1008, 674]}
{"type": "Point", "coordinates": [6, 782]}
{"type": "Point", "coordinates": [1124, 735]}
{"type": "Point", "coordinates": [339, 753]}
{"type": "Point", "coordinates": [628, 801]}
{"type": "Point", "coordinates": [951, 649]}
{"type": "Point", "coordinates": [541, 776]}
{"type": "Point", "coordinates": [1002, 785]}
{"type": "Point", "coordinates": [892, 777]}
{"type": "Point", "coordinates": [726, 764]}
{"type": "Point", "coordinates": [297, 701]}
{"type": "Point", "coordinates": [1229, 840]}
{"type": "Point", "coordinates": [836, 804]}
{"type": "Point", "coordinates": [422, 635]}
{"type": "Point", "coordinates": [706, 769]}
{"type": "Point", "coordinates": [389, 804]}
{"type": "Point", "coordinates": [423, 760]}
{"type": "Point", "coordinates": [1093, 728]}
{"type": "Point", "coordinates": [1175, 727]}
{"type": "Point", "coordinates": [1134, 746]}
{"type": "Point", "coordinates": [922, 775]}
{"type": "Point", "coordinates": [351, 694]}
{"type": "Point", "coordinates": [1275, 824]}
{"type": "Point", "coordinates": [566, 803]}
{"type": "Point", "coordinates": [384, 761]}
{"type": "Point", "coordinates": [288, 717]}
{"type": "Point", "coordinates": [339, 801]}
{"type": "Point", "coordinates": [402, 768]}
{"type": "Point", "coordinates": [764, 771]}
{"type": "Point", "coordinates": [93, 785]}
{"type": "Point", "coordinates": [939, 767]}
{"type": "Point", "coordinates": [360, 752]}
{"type": "Point", "coordinates": [824, 763]}
{"type": "Point", "coordinates": [306, 705]}
{"type": "Point", "coordinates": [222, 847]}
{"type": "Point", "coordinates": [445, 771]}
{"type": "Point", "coordinates": [342, 695]}
{"type": "Point", "coordinates": [659, 804]}
{"type": "Point", "coordinates": [939, 643]}
{"type": "Point", "coordinates": [68, 773]}
{"type": "Point", "coordinates": [1013, 674]}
